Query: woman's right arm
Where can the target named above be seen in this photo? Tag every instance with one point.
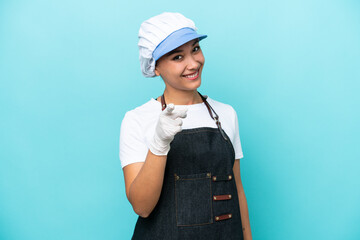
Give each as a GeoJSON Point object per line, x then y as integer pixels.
{"type": "Point", "coordinates": [143, 183]}
{"type": "Point", "coordinates": [144, 180]}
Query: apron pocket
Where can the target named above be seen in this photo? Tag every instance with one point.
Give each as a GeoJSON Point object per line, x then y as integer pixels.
{"type": "Point", "coordinates": [193, 199]}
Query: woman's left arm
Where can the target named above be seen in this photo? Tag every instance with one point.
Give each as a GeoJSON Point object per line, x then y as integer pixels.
{"type": "Point", "coordinates": [242, 202]}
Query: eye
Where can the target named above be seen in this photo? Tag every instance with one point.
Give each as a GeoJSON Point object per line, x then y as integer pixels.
{"type": "Point", "coordinates": [196, 48]}
{"type": "Point", "coordinates": [177, 57]}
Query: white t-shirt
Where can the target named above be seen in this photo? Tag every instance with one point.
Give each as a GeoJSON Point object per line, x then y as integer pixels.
{"type": "Point", "coordinates": [138, 127]}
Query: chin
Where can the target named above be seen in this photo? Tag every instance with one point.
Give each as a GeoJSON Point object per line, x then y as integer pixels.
{"type": "Point", "coordinates": [196, 85]}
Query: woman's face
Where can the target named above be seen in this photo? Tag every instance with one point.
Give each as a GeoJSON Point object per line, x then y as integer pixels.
{"type": "Point", "coordinates": [181, 68]}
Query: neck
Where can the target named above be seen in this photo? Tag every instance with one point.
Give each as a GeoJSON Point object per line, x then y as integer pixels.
{"type": "Point", "coordinates": [182, 97]}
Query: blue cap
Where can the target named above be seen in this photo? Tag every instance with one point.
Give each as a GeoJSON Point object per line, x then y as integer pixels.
{"type": "Point", "coordinates": [175, 40]}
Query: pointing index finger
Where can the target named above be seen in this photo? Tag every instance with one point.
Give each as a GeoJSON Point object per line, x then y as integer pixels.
{"type": "Point", "coordinates": [169, 108]}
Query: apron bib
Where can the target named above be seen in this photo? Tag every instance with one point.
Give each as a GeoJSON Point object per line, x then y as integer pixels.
{"type": "Point", "coordinates": [199, 199]}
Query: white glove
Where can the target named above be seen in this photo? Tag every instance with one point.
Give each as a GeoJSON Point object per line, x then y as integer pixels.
{"type": "Point", "coordinates": [168, 125]}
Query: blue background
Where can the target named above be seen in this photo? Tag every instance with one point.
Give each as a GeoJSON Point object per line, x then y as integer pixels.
{"type": "Point", "coordinates": [69, 71]}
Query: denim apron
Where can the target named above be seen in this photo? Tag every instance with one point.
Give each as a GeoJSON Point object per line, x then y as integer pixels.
{"type": "Point", "coordinates": [199, 199]}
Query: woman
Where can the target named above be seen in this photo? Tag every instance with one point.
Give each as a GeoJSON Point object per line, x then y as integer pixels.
{"type": "Point", "coordinates": [181, 165]}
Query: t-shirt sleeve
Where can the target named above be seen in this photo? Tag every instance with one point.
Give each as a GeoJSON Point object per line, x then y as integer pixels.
{"type": "Point", "coordinates": [236, 140]}
{"type": "Point", "coordinates": [132, 146]}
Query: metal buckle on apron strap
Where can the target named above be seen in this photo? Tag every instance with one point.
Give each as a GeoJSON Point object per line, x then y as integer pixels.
{"type": "Point", "coordinates": [216, 118]}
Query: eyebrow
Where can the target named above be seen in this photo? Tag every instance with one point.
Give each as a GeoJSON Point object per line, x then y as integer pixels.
{"type": "Point", "coordinates": [177, 51]}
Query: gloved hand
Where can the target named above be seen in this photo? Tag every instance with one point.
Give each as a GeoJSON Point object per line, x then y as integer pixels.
{"type": "Point", "coordinates": [168, 125]}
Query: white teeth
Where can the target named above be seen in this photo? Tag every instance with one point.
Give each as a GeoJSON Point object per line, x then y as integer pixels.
{"type": "Point", "coordinates": [191, 76]}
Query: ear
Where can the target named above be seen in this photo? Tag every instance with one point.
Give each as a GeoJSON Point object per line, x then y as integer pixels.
{"type": "Point", "coordinates": [157, 73]}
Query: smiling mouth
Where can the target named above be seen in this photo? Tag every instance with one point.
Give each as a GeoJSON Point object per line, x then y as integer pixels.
{"type": "Point", "coordinates": [192, 76]}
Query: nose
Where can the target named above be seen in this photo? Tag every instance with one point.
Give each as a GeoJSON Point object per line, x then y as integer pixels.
{"type": "Point", "coordinates": [193, 64]}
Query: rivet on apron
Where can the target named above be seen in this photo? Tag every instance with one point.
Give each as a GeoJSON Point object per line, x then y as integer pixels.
{"type": "Point", "coordinates": [214, 178]}
{"type": "Point", "coordinates": [230, 177]}
{"type": "Point", "coordinates": [208, 174]}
